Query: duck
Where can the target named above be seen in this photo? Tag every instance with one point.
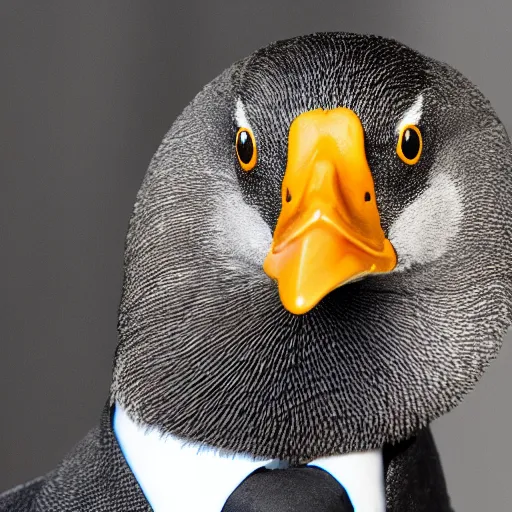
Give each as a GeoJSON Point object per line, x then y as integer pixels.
{"type": "Point", "coordinates": [317, 266]}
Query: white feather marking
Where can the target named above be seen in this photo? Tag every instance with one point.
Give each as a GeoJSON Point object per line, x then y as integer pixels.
{"type": "Point", "coordinates": [241, 230]}
{"type": "Point", "coordinates": [424, 229]}
{"type": "Point", "coordinates": [413, 115]}
{"type": "Point", "coordinates": [240, 117]}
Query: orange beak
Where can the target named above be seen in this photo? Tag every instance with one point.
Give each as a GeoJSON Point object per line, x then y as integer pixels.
{"type": "Point", "coordinates": [328, 232]}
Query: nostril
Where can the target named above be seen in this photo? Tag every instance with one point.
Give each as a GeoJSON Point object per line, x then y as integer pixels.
{"type": "Point", "coordinates": [288, 196]}
{"type": "Point", "coordinates": [367, 196]}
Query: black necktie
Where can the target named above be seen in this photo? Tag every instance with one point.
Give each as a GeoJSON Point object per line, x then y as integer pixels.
{"type": "Point", "coordinates": [297, 489]}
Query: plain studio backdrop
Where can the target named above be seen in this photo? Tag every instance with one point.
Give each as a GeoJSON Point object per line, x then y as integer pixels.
{"type": "Point", "coordinates": [87, 91]}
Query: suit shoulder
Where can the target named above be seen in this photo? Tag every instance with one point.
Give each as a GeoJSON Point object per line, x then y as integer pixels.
{"type": "Point", "coordinates": [21, 498]}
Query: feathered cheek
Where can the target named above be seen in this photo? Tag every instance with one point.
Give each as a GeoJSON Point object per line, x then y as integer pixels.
{"type": "Point", "coordinates": [423, 231]}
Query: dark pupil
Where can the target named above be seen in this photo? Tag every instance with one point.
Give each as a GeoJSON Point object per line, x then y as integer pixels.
{"type": "Point", "coordinates": [244, 147]}
{"type": "Point", "coordinates": [410, 144]}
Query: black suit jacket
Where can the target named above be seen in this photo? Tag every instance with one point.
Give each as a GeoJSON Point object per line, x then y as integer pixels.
{"type": "Point", "coordinates": [96, 477]}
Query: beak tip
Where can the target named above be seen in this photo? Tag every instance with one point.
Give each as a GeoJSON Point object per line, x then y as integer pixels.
{"type": "Point", "coordinates": [300, 301]}
{"type": "Point", "coordinates": [298, 305]}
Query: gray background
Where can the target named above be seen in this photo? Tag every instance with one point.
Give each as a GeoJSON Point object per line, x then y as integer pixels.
{"type": "Point", "coordinates": [87, 90]}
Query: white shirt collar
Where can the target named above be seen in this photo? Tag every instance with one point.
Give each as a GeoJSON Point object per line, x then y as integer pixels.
{"type": "Point", "coordinates": [169, 470]}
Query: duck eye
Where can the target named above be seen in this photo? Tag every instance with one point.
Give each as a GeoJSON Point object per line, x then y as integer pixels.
{"type": "Point", "coordinates": [410, 144]}
{"type": "Point", "coordinates": [246, 149]}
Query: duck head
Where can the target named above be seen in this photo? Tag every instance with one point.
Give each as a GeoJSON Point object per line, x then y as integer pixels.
{"type": "Point", "coordinates": [318, 260]}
